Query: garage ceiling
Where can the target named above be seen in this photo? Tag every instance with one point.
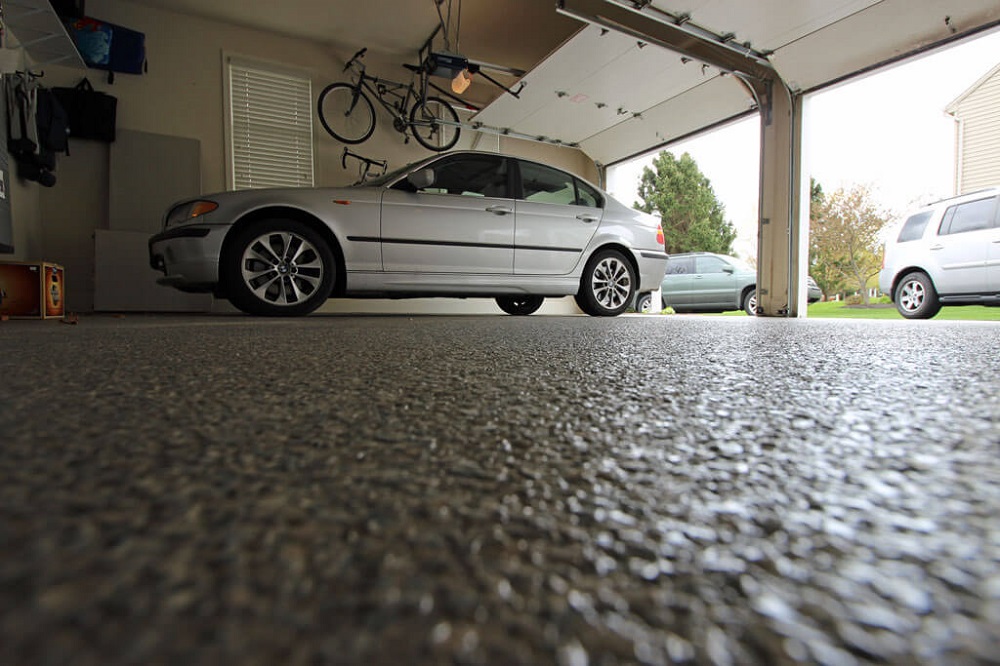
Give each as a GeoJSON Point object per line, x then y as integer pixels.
{"type": "Point", "coordinates": [513, 33]}
{"type": "Point", "coordinates": [604, 91]}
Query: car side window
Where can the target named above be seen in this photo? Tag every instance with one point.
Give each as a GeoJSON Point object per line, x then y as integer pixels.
{"type": "Point", "coordinates": [710, 265]}
{"type": "Point", "coordinates": [587, 195]}
{"type": "Point", "coordinates": [544, 185]}
{"type": "Point", "coordinates": [680, 266]}
{"type": "Point", "coordinates": [468, 175]}
{"type": "Point", "coordinates": [966, 217]}
{"type": "Point", "coordinates": [913, 228]}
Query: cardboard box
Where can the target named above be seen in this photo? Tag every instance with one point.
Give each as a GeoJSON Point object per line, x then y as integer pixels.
{"type": "Point", "coordinates": [32, 289]}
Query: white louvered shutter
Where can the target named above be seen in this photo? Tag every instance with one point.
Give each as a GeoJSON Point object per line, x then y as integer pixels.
{"type": "Point", "coordinates": [271, 128]}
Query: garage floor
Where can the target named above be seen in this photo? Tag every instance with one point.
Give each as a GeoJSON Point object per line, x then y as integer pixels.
{"type": "Point", "coordinates": [568, 490]}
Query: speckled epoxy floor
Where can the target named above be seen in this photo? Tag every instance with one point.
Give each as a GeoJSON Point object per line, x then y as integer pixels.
{"type": "Point", "coordinates": [569, 490]}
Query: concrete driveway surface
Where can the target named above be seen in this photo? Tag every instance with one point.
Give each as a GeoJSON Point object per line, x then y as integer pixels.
{"type": "Point", "coordinates": [499, 490]}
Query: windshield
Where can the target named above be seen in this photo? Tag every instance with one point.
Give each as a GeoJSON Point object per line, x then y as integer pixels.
{"type": "Point", "coordinates": [385, 179]}
{"type": "Point", "coordinates": [741, 265]}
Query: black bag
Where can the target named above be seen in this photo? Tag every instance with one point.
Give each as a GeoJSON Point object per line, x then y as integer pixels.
{"type": "Point", "coordinates": [91, 114]}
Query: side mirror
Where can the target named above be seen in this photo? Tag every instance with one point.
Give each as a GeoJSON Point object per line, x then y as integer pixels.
{"type": "Point", "coordinates": [728, 269]}
{"type": "Point", "coordinates": [421, 178]}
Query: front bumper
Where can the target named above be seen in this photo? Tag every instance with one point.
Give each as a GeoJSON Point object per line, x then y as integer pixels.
{"type": "Point", "coordinates": [188, 256]}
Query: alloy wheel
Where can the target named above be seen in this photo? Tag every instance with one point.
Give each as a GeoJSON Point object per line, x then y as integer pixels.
{"type": "Point", "coordinates": [282, 268]}
{"type": "Point", "coordinates": [611, 283]}
{"type": "Point", "coordinates": [911, 295]}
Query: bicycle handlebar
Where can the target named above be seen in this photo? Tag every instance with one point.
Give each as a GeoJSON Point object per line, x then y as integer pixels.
{"type": "Point", "coordinates": [361, 158]}
{"type": "Point", "coordinates": [356, 56]}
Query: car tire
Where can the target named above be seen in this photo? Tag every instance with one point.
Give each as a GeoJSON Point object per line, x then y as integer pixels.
{"type": "Point", "coordinates": [915, 297]}
{"type": "Point", "coordinates": [750, 302]}
{"type": "Point", "coordinates": [520, 305]}
{"type": "Point", "coordinates": [608, 284]}
{"type": "Point", "coordinates": [278, 268]}
{"type": "Point", "coordinates": [644, 303]}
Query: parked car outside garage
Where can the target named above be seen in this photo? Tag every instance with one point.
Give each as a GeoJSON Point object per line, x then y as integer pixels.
{"type": "Point", "coordinates": [465, 224]}
{"type": "Point", "coordinates": [947, 253]}
{"type": "Point", "coordinates": [706, 282]}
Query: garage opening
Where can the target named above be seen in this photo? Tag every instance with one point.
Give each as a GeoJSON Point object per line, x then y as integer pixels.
{"type": "Point", "coordinates": [893, 132]}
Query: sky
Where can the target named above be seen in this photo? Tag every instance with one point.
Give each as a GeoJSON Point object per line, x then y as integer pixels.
{"type": "Point", "coordinates": [887, 130]}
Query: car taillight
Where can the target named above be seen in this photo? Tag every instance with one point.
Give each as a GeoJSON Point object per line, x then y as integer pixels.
{"type": "Point", "coordinates": [659, 234]}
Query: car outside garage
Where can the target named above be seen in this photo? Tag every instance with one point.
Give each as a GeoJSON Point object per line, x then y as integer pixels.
{"type": "Point", "coordinates": [348, 488]}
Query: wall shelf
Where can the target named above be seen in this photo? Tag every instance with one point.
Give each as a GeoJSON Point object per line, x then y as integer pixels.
{"type": "Point", "coordinates": [41, 33]}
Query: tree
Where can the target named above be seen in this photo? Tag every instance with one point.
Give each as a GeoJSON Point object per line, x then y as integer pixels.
{"type": "Point", "coordinates": [845, 238]}
{"type": "Point", "coordinates": [827, 276]}
{"type": "Point", "coordinates": [693, 218]}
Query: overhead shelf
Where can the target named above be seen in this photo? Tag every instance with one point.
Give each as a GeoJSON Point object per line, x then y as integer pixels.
{"type": "Point", "coordinates": [41, 33]}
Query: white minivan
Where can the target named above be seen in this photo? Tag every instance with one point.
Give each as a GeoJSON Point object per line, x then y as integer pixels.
{"type": "Point", "coordinates": [946, 253]}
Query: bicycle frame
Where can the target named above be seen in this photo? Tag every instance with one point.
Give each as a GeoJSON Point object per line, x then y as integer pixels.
{"type": "Point", "coordinates": [395, 97]}
{"type": "Point", "coordinates": [432, 121]}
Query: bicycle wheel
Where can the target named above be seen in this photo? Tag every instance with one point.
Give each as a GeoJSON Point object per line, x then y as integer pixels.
{"type": "Point", "coordinates": [434, 124]}
{"type": "Point", "coordinates": [346, 113]}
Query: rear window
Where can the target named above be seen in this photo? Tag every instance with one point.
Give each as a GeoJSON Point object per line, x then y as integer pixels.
{"type": "Point", "coordinates": [914, 227]}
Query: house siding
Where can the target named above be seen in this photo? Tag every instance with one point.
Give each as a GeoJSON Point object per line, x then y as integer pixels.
{"type": "Point", "coordinates": [978, 113]}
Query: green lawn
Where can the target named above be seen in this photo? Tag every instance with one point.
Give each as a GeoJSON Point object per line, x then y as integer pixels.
{"type": "Point", "coordinates": [837, 310]}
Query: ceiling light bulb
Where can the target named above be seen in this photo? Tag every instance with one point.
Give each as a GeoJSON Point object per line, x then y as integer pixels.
{"type": "Point", "coordinates": [461, 82]}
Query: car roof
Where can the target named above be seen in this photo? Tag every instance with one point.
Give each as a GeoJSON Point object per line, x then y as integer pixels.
{"type": "Point", "coordinates": [397, 174]}
{"type": "Point", "coordinates": [967, 196]}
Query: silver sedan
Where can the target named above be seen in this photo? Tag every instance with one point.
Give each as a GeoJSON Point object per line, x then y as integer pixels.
{"type": "Point", "coordinates": [464, 224]}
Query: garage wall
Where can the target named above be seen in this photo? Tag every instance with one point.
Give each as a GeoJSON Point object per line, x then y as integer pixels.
{"type": "Point", "coordinates": [182, 96]}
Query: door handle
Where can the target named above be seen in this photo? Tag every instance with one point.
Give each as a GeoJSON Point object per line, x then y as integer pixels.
{"type": "Point", "coordinates": [936, 247]}
{"type": "Point", "coordinates": [587, 217]}
{"type": "Point", "coordinates": [499, 210]}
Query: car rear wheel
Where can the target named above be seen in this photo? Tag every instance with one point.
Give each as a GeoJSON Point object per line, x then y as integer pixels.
{"type": "Point", "coordinates": [644, 302]}
{"type": "Point", "coordinates": [607, 286]}
{"type": "Point", "coordinates": [519, 305]}
{"type": "Point", "coordinates": [278, 268]}
{"type": "Point", "coordinates": [750, 302]}
{"type": "Point", "coordinates": [916, 298]}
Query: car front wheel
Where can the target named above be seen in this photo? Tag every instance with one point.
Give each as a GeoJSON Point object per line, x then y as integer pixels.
{"type": "Point", "coordinates": [278, 268]}
{"type": "Point", "coordinates": [519, 305]}
{"type": "Point", "coordinates": [750, 302]}
{"type": "Point", "coordinates": [916, 298]}
{"type": "Point", "coordinates": [608, 284]}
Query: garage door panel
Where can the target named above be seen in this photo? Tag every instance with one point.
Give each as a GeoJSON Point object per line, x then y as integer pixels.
{"type": "Point", "coordinates": [718, 100]}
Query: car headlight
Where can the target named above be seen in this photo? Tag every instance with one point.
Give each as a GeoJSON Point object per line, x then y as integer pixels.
{"type": "Point", "coordinates": [188, 211]}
